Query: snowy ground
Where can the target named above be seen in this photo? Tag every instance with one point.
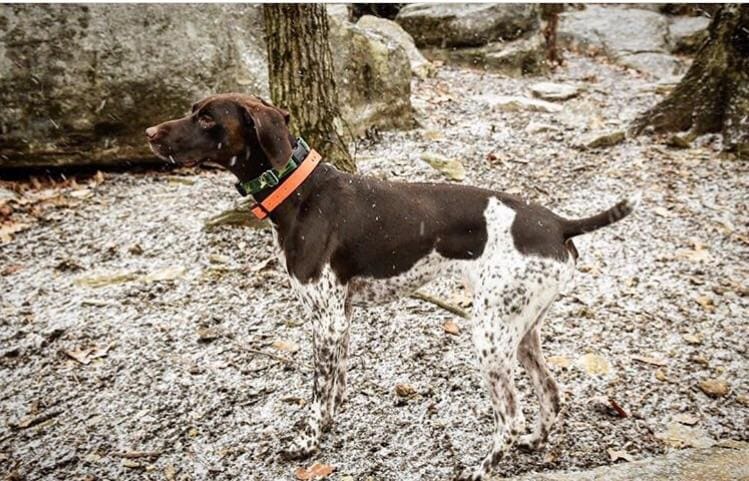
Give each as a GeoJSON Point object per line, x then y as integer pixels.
{"type": "Point", "coordinates": [193, 364]}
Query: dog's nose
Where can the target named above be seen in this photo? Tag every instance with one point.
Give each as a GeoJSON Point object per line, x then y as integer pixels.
{"type": "Point", "coordinates": [153, 133]}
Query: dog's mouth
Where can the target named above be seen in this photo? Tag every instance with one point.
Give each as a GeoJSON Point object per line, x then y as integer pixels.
{"type": "Point", "coordinates": [165, 152]}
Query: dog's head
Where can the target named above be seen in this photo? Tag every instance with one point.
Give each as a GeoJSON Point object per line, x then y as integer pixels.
{"type": "Point", "coordinates": [241, 132]}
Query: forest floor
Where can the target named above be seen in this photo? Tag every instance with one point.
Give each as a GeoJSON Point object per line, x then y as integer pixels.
{"type": "Point", "coordinates": [138, 345]}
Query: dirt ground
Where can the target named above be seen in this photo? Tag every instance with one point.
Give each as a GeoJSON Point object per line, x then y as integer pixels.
{"type": "Point", "coordinates": [135, 344]}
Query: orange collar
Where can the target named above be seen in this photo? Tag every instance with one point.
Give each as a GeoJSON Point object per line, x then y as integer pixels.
{"type": "Point", "coordinates": [288, 186]}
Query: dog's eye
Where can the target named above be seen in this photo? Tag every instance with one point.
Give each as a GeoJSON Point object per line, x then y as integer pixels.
{"type": "Point", "coordinates": [206, 121]}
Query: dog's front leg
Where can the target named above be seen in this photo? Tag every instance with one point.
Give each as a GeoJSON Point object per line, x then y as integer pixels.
{"type": "Point", "coordinates": [325, 300]}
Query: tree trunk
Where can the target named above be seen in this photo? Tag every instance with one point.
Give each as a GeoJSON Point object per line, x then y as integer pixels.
{"type": "Point", "coordinates": [713, 96]}
{"type": "Point", "coordinates": [300, 67]}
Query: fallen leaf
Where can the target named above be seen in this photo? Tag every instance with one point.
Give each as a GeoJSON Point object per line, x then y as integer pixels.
{"type": "Point", "coordinates": [698, 253]}
{"type": "Point", "coordinates": [661, 375]}
{"type": "Point", "coordinates": [693, 338]}
{"type": "Point", "coordinates": [132, 464]}
{"type": "Point", "coordinates": [107, 279]}
{"type": "Point", "coordinates": [316, 471]}
{"type": "Point", "coordinates": [706, 303]}
{"type": "Point", "coordinates": [649, 360]}
{"type": "Point", "coordinates": [593, 364]}
{"type": "Point", "coordinates": [169, 472]}
{"type": "Point", "coordinates": [79, 355]}
{"type": "Point", "coordinates": [662, 211]}
{"type": "Point", "coordinates": [404, 390]}
{"type": "Point", "coordinates": [714, 387]}
{"type": "Point", "coordinates": [286, 346]}
{"type": "Point", "coordinates": [450, 168]}
{"type": "Point", "coordinates": [743, 399]}
{"type": "Point", "coordinates": [81, 194]}
{"type": "Point", "coordinates": [618, 408]}
{"type": "Point", "coordinates": [9, 228]}
{"type": "Point", "coordinates": [687, 419]}
{"type": "Point", "coordinates": [206, 334]}
{"type": "Point", "coordinates": [166, 274]}
{"type": "Point", "coordinates": [616, 455]}
{"type": "Point", "coordinates": [451, 327]}
{"type": "Point", "coordinates": [679, 436]}
{"type": "Point", "coordinates": [559, 361]}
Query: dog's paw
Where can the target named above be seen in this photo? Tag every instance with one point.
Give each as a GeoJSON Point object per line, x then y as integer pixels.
{"type": "Point", "coordinates": [302, 447]}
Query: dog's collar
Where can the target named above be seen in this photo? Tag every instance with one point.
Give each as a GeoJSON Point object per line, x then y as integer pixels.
{"type": "Point", "coordinates": [301, 164]}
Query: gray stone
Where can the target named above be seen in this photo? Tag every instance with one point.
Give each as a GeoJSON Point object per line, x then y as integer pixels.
{"type": "Point", "coordinates": [686, 34]}
{"type": "Point", "coordinates": [632, 37]}
{"type": "Point", "coordinates": [373, 79]}
{"type": "Point", "coordinates": [466, 24]}
{"type": "Point", "coordinates": [655, 64]}
{"type": "Point", "coordinates": [554, 91]}
{"type": "Point", "coordinates": [79, 84]}
{"type": "Point", "coordinates": [614, 31]}
{"type": "Point", "coordinates": [524, 56]}
{"type": "Point", "coordinates": [712, 464]}
{"type": "Point", "coordinates": [420, 66]}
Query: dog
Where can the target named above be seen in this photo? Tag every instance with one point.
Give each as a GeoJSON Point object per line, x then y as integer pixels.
{"type": "Point", "coordinates": [346, 239]}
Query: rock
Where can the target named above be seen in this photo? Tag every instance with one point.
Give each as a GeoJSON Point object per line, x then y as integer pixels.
{"type": "Point", "coordinates": [420, 66]}
{"type": "Point", "coordinates": [451, 168]}
{"type": "Point", "coordinates": [714, 387]}
{"type": "Point", "coordinates": [373, 78]}
{"type": "Point", "coordinates": [686, 34]}
{"type": "Point", "coordinates": [614, 31]}
{"type": "Point", "coordinates": [593, 364]}
{"type": "Point", "coordinates": [524, 56]}
{"type": "Point", "coordinates": [466, 24]}
{"type": "Point", "coordinates": [655, 64]}
{"type": "Point", "coordinates": [509, 103]}
{"type": "Point", "coordinates": [632, 37]}
{"type": "Point", "coordinates": [554, 91]}
{"type": "Point", "coordinates": [711, 464]}
{"type": "Point", "coordinates": [81, 83]}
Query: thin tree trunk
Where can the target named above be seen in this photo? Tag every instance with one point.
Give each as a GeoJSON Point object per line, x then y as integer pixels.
{"type": "Point", "coordinates": [301, 77]}
{"type": "Point", "coordinates": [713, 96]}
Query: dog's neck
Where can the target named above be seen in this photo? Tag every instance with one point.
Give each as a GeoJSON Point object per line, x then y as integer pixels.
{"type": "Point", "coordinates": [254, 162]}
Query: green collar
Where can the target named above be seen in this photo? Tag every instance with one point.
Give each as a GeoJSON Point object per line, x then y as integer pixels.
{"type": "Point", "coordinates": [272, 177]}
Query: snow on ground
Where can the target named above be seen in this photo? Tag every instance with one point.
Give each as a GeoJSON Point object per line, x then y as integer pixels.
{"type": "Point", "coordinates": [198, 372]}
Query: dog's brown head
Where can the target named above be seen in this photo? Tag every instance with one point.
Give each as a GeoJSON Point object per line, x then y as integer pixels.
{"type": "Point", "coordinates": [243, 133]}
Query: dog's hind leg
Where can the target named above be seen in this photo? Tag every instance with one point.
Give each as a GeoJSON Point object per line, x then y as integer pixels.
{"type": "Point", "coordinates": [325, 300]}
{"type": "Point", "coordinates": [532, 359]}
{"type": "Point", "coordinates": [343, 355]}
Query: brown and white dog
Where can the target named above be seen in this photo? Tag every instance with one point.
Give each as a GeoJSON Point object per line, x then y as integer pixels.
{"type": "Point", "coordinates": [345, 239]}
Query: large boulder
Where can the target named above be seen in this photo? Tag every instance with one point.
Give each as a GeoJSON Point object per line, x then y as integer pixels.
{"type": "Point", "coordinates": [466, 24]}
{"type": "Point", "coordinates": [79, 84]}
{"type": "Point", "coordinates": [420, 66]}
{"type": "Point", "coordinates": [373, 76]}
{"type": "Point", "coordinates": [523, 56]}
{"type": "Point", "coordinates": [632, 37]}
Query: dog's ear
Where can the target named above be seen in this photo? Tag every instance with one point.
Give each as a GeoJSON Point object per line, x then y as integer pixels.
{"type": "Point", "coordinates": [271, 127]}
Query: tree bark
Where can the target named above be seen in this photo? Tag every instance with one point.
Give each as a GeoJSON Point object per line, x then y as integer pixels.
{"type": "Point", "coordinates": [713, 96]}
{"type": "Point", "coordinates": [300, 67]}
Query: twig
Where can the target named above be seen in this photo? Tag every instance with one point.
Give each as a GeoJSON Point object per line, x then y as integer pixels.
{"type": "Point", "coordinates": [439, 302]}
{"type": "Point", "coordinates": [269, 354]}
{"type": "Point", "coordinates": [28, 422]}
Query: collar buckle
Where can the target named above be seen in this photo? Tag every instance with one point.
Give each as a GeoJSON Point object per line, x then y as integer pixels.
{"type": "Point", "coordinates": [269, 178]}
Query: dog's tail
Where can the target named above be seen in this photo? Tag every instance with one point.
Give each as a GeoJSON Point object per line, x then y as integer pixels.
{"type": "Point", "coordinates": [572, 228]}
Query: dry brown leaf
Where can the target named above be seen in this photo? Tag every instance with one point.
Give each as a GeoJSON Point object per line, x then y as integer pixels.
{"type": "Point", "coordinates": [451, 327]}
{"type": "Point", "coordinates": [661, 375]}
{"type": "Point", "coordinates": [706, 303]}
{"type": "Point", "coordinates": [559, 361]}
{"type": "Point", "coordinates": [316, 471]}
{"type": "Point", "coordinates": [405, 390]}
{"type": "Point", "coordinates": [206, 334]}
{"type": "Point", "coordinates": [714, 387]}
{"type": "Point", "coordinates": [79, 355]}
{"type": "Point", "coordinates": [286, 346]}
{"type": "Point", "coordinates": [593, 364]}
{"type": "Point", "coordinates": [169, 472]}
{"type": "Point", "coordinates": [693, 338]}
{"type": "Point", "coordinates": [9, 228]}
{"type": "Point", "coordinates": [616, 455]}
